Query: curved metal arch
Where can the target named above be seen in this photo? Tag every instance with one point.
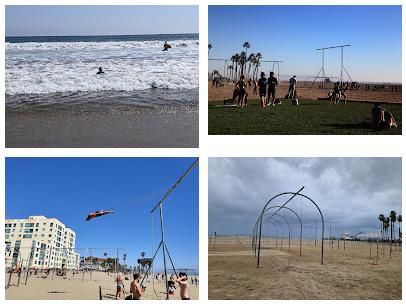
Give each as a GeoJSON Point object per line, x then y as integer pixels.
{"type": "Point", "coordinates": [254, 233]}
{"type": "Point", "coordinates": [279, 232]}
{"type": "Point", "coordinates": [290, 228]}
{"type": "Point", "coordinates": [293, 195]}
{"type": "Point", "coordinates": [281, 226]}
{"type": "Point", "coordinates": [300, 221]}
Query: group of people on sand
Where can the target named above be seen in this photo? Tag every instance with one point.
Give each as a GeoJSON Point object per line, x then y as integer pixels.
{"type": "Point", "coordinates": [137, 290]}
{"type": "Point", "coordinates": [266, 88]}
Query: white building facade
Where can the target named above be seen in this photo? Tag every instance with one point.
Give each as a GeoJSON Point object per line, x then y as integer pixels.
{"type": "Point", "coordinates": [40, 242]}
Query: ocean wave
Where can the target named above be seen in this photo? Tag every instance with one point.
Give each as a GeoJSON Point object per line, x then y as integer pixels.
{"type": "Point", "coordinates": [51, 67]}
{"type": "Point", "coordinates": [36, 46]}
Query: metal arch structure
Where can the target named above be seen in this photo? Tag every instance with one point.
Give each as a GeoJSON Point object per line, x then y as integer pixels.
{"type": "Point", "coordinates": [255, 231]}
{"type": "Point", "coordinates": [281, 226]}
{"type": "Point", "coordinates": [298, 217]}
{"type": "Point", "coordinates": [287, 222]}
{"type": "Point", "coordinates": [293, 194]}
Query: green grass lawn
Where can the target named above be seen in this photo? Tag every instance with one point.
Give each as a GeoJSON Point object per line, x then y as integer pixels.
{"type": "Point", "coordinates": [310, 117]}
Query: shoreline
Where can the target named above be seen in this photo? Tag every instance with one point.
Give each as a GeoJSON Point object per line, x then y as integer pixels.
{"type": "Point", "coordinates": [103, 126]}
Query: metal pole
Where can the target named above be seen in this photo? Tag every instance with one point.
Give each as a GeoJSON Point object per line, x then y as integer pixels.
{"type": "Point", "coordinates": [163, 250]}
{"type": "Point", "coordinates": [19, 272]}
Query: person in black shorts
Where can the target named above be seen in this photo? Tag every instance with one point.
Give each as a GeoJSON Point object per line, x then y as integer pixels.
{"type": "Point", "coordinates": [242, 92]}
{"type": "Point", "coordinates": [262, 89]}
{"type": "Point", "coordinates": [272, 83]}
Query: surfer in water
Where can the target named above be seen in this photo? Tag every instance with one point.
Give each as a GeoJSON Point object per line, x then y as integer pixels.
{"type": "Point", "coordinates": [100, 71]}
{"type": "Point", "coordinates": [166, 46]}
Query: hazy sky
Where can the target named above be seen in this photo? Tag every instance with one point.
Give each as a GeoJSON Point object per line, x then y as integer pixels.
{"type": "Point", "coordinates": [61, 20]}
{"type": "Point", "coordinates": [349, 191]}
{"type": "Point", "coordinates": [293, 33]}
{"type": "Point", "coordinates": [69, 188]}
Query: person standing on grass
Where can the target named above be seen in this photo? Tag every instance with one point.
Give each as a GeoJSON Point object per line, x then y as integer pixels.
{"type": "Point", "coordinates": [272, 83]}
{"type": "Point", "coordinates": [262, 89]}
{"type": "Point", "coordinates": [242, 92]}
{"type": "Point", "coordinates": [292, 87]}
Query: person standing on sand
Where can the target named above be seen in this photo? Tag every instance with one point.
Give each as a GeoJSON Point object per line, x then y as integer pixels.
{"type": "Point", "coordinates": [272, 83]}
{"type": "Point", "coordinates": [135, 289]}
{"type": "Point", "coordinates": [120, 287]}
{"type": "Point", "coordinates": [262, 89]}
{"type": "Point", "coordinates": [184, 285]}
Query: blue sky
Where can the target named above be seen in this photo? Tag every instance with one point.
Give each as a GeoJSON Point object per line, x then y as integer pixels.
{"type": "Point", "coordinates": [293, 33]}
{"type": "Point", "coordinates": [62, 20]}
{"type": "Point", "coordinates": [69, 188]}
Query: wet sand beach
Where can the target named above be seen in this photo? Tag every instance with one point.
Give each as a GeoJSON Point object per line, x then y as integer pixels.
{"type": "Point", "coordinates": [112, 125]}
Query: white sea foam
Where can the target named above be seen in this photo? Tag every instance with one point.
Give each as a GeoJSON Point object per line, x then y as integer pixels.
{"type": "Point", "coordinates": [50, 67]}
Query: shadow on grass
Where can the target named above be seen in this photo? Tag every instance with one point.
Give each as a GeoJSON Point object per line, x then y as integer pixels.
{"type": "Point", "coordinates": [360, 125]}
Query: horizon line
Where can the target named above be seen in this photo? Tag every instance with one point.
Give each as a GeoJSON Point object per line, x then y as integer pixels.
{"type": "Point", "coordinates": [8, 36]}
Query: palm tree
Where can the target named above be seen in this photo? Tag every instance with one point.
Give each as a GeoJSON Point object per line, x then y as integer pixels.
{"type": "Point", "coordinates": [250, 61]}
{"type": "Point", "coordinates": [381, 218]}
{"type": "Point", "coordinates": [210, 47]}
{"type": "Point", "coordinates": [242, 61]}
{"type": "Point", "coordinates": [246, 45]}
{"type": "Point", "coordinates": [399, 222]}
{"type": "Point", "coordinates": [237, 59]}
{"type": "Point", "coordinates": [392, 217]}
{"type": "Point", "coordinates": [258, 57]}
{"type": "Point", "coordinates": [230, 69]}
{"type": "Point", "coordinates": [386, 226]}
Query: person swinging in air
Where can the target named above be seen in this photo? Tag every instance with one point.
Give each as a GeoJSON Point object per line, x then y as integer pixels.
{"type": "Point", "coordinates": [92, 215]}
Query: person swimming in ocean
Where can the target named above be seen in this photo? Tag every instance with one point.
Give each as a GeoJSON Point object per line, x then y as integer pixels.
{"type": "Point", "coordinates": [166, 46]}
{"type": "Point", "coordinates": [100, 71]}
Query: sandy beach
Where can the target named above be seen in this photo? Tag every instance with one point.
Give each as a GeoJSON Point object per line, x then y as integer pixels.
{"type": "Point", "coordinates": [72, 288]}
{"type": "Point", "coordinates": [226, 92]}
{"type": "Point", "coordinates": [346, 274]}
{"type": "Point", "coordinates": [109, 125]}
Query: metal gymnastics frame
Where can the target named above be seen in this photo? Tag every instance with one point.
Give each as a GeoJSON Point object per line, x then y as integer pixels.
{"type": "Point", "coordinates": [294, 194]}
{"type": "Point", "coordinates": [255, 231]}
{"type": "Point", "coordinates": [342, 68]}
{"type": "Point", "coordinates": [162, 243]}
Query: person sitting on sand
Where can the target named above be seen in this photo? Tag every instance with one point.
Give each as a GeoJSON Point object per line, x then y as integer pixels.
{"type": "Point", "coordinates": [120, 287]}
{"type": "Point", "coordinates": [242, 92]}
{"type": "Point", "coordinates": [97, 214]}
{"type": "Point", "coordinates": [166, 46]}
{"type": "Point", "coordinates": [100, 71]}
{"type": "Point", "coordinates": [262, 89]}
{"type": "Point", "coordinates": [184, 285]}
{"type": "Point", "coordinates": [272, 83]}
{"type": "Point", "coordinates": [136, 290]}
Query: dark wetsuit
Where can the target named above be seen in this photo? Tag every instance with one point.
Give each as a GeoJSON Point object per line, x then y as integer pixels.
{"type": "Point", "coordinates": [262, 82]}
{"type": "Point", "coordinates": [272, 82]}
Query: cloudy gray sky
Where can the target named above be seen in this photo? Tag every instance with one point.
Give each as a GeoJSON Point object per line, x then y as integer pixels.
{"type": "Point", "coordinates": [349, 191]}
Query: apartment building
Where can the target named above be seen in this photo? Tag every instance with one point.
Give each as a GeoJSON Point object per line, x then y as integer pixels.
{"type": "Point", "coordinates": [40, 242]}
